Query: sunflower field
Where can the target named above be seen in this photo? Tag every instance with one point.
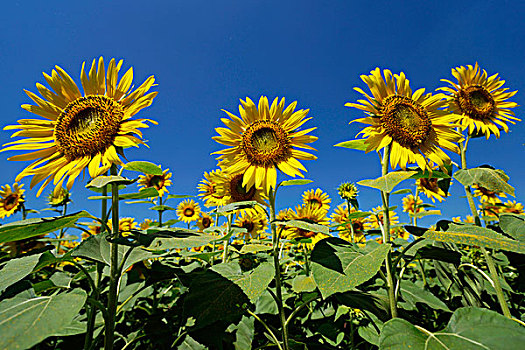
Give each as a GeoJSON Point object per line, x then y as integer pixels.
{"type": "Point", "coordinates": [231, 269]}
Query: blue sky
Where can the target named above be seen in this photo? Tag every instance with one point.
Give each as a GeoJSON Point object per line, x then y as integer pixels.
{"type": "Point", "coordinates": [206, 55]}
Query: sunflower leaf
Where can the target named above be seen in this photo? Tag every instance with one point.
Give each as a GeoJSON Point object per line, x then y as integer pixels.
{"type": "Point", "coordinates": [426, 213]}
{"type": "Point", "coordinates": [492, 179]}
{"type": "Point", "coordinates": [101, 181]}
{"type": "Point", "coordinates": [435, 174]}
{"type": "Point", "coordinates": [253, 283]}
{"type": "Point", "coordinates": [353, 144]}
{"type": "Point", "coordinates": [388, 182]}
{"type": "Point", "coordinates": [305, 226]}
{"type": "Point", "coordinates": [162, 208]}
{"type": "Point", "coordinates": [235, 206]}
{"type": "Point", "coordinates": [179, 196]}
{"type": "Point", "coordinates": [146, 168]}
{"type": "Point", "coordinates": [295, 182]}
{"type": "Point", "coordinates": [16, 269]}
{"type": "Point", "coordinates": [513, 225]}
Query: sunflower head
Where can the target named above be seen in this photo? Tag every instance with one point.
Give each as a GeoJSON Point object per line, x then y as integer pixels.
{"type": "Point", "coordinates": [253, 221]}
{"type": "Point", "coordinates": [377, 220]}
{"type": "Point", "coordinates": [159, 182]}
{"type": "Point", "coordinates": [125, 225]}
{"type": "Point", "coordinates": [317, 198]}
{"type": "Point", "coordinates": [411, 206]}
{"type": "Point", "coordinates": [480, 101]}
{"type": "Point", "coordinates": [487, 196]}
{"type": "Point", "coordinates": [513, 207]}
{"type": "Point", "coordinates": [347, 191]}
{"type": "Point", "coordinates": [208, 190]}
{"type": "Point", "coordinates": [11, 199]}
{"type": "Point", "coordinates": [204, 221]}
{"type": "Point", "coordinates": [414, 124]}
{"type": "Point", "coordinates": [188, 211]}
{"type": "Point", "coordinates": [265, 138]}
{"type": "Point", "coordinates": [430, 187]}
{"type": "Point", "coordinates": [58, 197]}
{"type": "Point", "coordinates": [341, 216]}
{"type": "Point", "coordinates": [80, 130]}
{"type": "Point", "coordinates": [230, 188]}
{"type": "Point", "coordinates": [309, 214]}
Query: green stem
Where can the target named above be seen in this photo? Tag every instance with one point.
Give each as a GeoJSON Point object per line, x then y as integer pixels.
{"type": "Point", "coordinates": [61, 235]}
{"type": "Point", "coordinates": [227, 242]}
{"type": "Point", "coordinates": [306, 262]}
{"type": "Point", "coordinates": [349, 206]}
{"type": "Point", "coordinates": [267, 328]}
{"type": "Point", "coordinates": [416, 197]}
{"type": "Point", "coordinates": [114, 268]}
{"type": "Point", "coordinates": [386, 235]}
{"type": "Point", "coordinates": [160, 212]}
{"type": "Point", "coordinates": [488, 258]}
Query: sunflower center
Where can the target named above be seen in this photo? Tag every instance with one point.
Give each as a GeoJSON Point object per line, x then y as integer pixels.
{"type": "Point", "coordinates": [430, 184]}
{"type": "Point", "coordinates": [87, 126]}
{"type": "Point", "coordinates": [406, 121]}
{"type": "Point", "coordinates": [248, 225]}
{"type": "Point", "coordinates": [238, 192]}
{"type": "Point", "coordinates": [157, 181]}
{"type": "Point", "coordinates": [265, 143]}
{"type": "Point", "coordinates": [188, 212]}
{"type": "Point", "coordinates": [11, 201]}
{"type": "Point", "coordinates": [476, 102]}
{"type": "Point", "coordinates": [305, 233]}
{"type": "Point", "coordinates": [315, 202]}
{"type": "Point", "coordinates": [206, 222]}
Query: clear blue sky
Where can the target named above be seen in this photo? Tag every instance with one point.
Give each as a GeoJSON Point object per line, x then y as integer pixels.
{"type": "Point", "coordinates": [206, 55]}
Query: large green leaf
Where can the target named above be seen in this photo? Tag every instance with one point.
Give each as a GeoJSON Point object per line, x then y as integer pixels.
{"type": "Point", "coordinates": [302, 283]}
{"type": "Point", "coordinates": [176, 238]}
{"type": "Point", "coordinates": [295, 182]}
{"type": "Point", "coordinates": [102, 181]}
{"type": "Point", "coordinates": [307, 226]}
{"type": "Point", "coordinates": [25, 322]}
{"type": "Point", "coordinates": [337, 266]}
{"type": "Point", "coordinates": [513, 225]}
{"type": "Point", "coordinates": [18, 230]}
{"type": "Point", "coordinates": [143, 167]}
{"type": "Point", "coordinates": [413, 294]}
{"type": "Point", "coordinates": [389, 181]}
{"type": "Point", "coordinates": [17, 269]}
{"type": "Point", "coordinates": [358, 144]}
{"type": "Point", "coordinates": [144, 193]}
{"type": "Point", "coordinates": [228, 208]}
{"type": "Point", "coordinates": [245, 333]}
{"type": "Point", "coordinates": [476, 236]}
{"type": "Point", "coordinates": [492, 179]}
{"type": "Point", "coordinates": [253, 283]}
{"type": "Point", "coordinates": [469, 328]}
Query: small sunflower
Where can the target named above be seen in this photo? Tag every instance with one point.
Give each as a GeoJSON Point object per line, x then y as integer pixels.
{"type": "Point", "coordinates": [413, 123]}
{"type": "Point", "coordinates": [340, 216]}
{"type": "Point", "coordinates": [159, 182]}
{"type": "Point", "coordinates": [125, 225]}
{"type": "Point", "coordinates": [188, 211]}
{"type": "Point", "coordinates": [481, 101]}
{"type": "Point", "coordinates": [347, 191]}
{"type": "Point", "coordinates": [58, 197]}
{"type": "Point", "coordinates": [11, 200]}
{"type": "Point", "coordinates": [400, 232]}
{"type": "Point", "coordinates": [231, 189]}
{"type": "Point", "coordinates": [513, 207]}
{"type": "Point", "coordinates": [145, 224]}
{"type": "Point", "coordinates": [80, 130]}
{"type": "Point", "coordinates": [431, 189]}
{"type": "Point", "coordinates": [317, 198]}
{"type": "Point", "coordinates": [486, 195]}
{"type": "Point", "coordinates": [204, 221]}
{"type": "Point", "coordinates": [253, 221]}
{"type": "Point", "coordinates": [309, 214]}
{"type": "Point", "coordinates": [409, 204]}
{"type": "Point", "coordinates": [208, 190]}
{"type": "Point", "coordinates": [372, 222]}
{"type": "Point", "coordinates": [265, 138]}
{"type": "Point", "coordinates": [468, 220]}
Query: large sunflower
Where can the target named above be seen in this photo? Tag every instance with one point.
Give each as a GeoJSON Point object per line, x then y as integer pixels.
{"type": "Point", "coordinates": [11, 199]}
{"type": "Point", "coordinates": [481, 101]}
{"type": "Point", "coordinates": [263, 139]}
{"type": "Point", "coordinates": [317, 198]}
{"type": "Point", "coordinates": [412, 123]}
{"type": "Point", "coordinates": [80, 130]}
{"type": "Point", "coordinates": [159, 182]}
{"type": "Point", "coordinates": [230, 188]}
{"type": "Point", "coordinates": [208, 190]}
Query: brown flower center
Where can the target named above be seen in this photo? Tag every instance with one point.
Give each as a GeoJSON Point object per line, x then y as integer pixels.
{"type": "Point", "coordinates": [87, 126]}
{"type": "Point", "coordinates": [476, 102]}
{"type": "Point", "coordinates": [315, 202]}
{"type": "Point", "coordinates": [405, 121]}
{"type": "Point", "coordinates": [265, 143]}
{"type": "Point", "coordinates": [429, 184]}
{"type": "Point", "coordinates": [188, 212]}
{"type": "Point", "coordinates": [305, 233]}
{"type": "Point", "coordinates": [238, 192]}
{"type": "Point", "coordinates": [206, 222]}
{"type": "Point", "coordinates": [11, 201]}
{"type": "Point", "coordinates": [248, 225]}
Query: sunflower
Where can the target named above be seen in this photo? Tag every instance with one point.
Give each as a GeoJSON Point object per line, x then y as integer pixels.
{"type": "Point", "coordinates": [413, 123]}
{"type": "Point", "coordinates": [340, 216]}
{"type": "Point", "coordinates": [481, 101]}
{"type": "Point", "coordinates": [145, 224]}
{"type": "Point", "coordinates": [347, 191]}
{"type": "Point", "coordinates": [373, 221]}
{"type": "Point", "coordinates": [468, 220]}
{"type": "Point", "coordinates": [208, 190]}
{"type": "Point", "coordinates": [159, 182]}
{"type": "Point", "coordinates": [431, 189]}
{"type": "Point", "coordinates": [58, 197]}
{"type": "Point", "coordinates": [317, 198]}
{"type": "Point", "coordinates": [125, 225]}
{"type": "Point", "coordinates": [188, 211]}
{"type": "Point", "coordinates": [513, 207]}
{"type": "Point", "coordinates": [486, 195]}
{"type": "Point", "coordinates": [400, 232]}
{"type": "Point", "coordinates": [263, 139]}
{"type": "Point", "coordinates": [11, 200]}
{"type": "Point", "coordinates": [80, 131]}
{"type": "Point", "coordinates": [409, 203]}
{"type": "Point", "coordinates": [309, 214]}
{"type": "Point", "coordinates": [204, 221]}
{"type": "Point", "coordinates": [231, 189]}
{"type": "Point", "coordinates": [253, 221]}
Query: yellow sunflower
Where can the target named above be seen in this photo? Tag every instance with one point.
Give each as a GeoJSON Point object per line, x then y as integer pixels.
{"type": "Point", "coordinates": [58, 197]}
{"type": "Point", "coordinates": [413, 123]}
{"type": "Point", "coordinates": [231, 189]}
{"type": "Point", "coordinates": [80, 130]}
{"type": "Point", "coordinates": [188, 211]}
{"type": "Point", "coordinates": [11, 200]}
{"type": "Point", "coordinates": [468, 220]}
{"type": "Point", "coordinates": [159, 182]}
{"type": "Point", "coordinates": [513, 207]}
{"type": "Point", "coordinates": [208, 190]}
{"type": "Point", "coordinates": [431, 189]}
{"type": "Point", "coordinates": [204, 221]}
{"type": "Point", "coordinates": [409, 203]}
{"type": "Point", "coordinates": [486, 195]}
{"type": "Point", "coordinates": [253, 221]}
{"type": "Point", "coordinates": [309, 214]}
{"type": "Point", "coordinates": [125, 225]}
{"type": "Point", "coordinates": [145, 224]}
{"type": "Point", "coordinates": [347, 191]}
{"type": "Point", "coordinates": [340, 216]}
{"type": "Point", "coordinates": [372, 222]}
{"type": "Point", "coordinates": [263, 139]}
{"type": "Point", "coordinates": [317, 198]}
{"type": "Point", "coordinates": [481, 101]}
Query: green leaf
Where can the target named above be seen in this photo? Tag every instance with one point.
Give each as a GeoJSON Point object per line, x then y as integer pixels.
{"type": "Point", "coordinates": [245, 333]}
{"type": "Point", "coordinates": [302, 283]}
{"type": "Point", "coordinates": [469, 328]}
{"type": "Point", "coordinates": [413, 294]}
{"type": "Point", "coordinates": [101, 181]}
{"type": "Point", "coordinates": [513, 225]}
{"type": "Point", "coordinates": [254, 248]}
{"type": "Point", "coordinates": [358, 144]}
{"type": "Point", "coordinates": [436, 174]}
{"type": "Point", "coordinates": [337, 266]}
{"type": "Point", "coordinates": [16, 269]}
{"type": "Point", "coordinates": [143, 167]}
{"type": "Point", "coordinates": [18, 230]}
{"type": "Point", "coordinates": [25, 322]}
{"type": "Point", "coordinates": [426, 213]}
{"type": "Point", "coordinates": [179, 196]}
{"type": "Point", "coordinates": [304, 226]}
{"type": "Point", "coordinates": [76, 327]}
{"type": "Point", "coordinates": [402, 191]}
{"type": "Point", "coordinates": [253, 283]}
{"type": "Point", "coordinates": [176, 238]}
{"type": "Point", "coordinates": [295, 182]}
{"type": "Point", "coordinates": [476, 236]}
{"type": "Point", "coordinates": [190, 344]}
{"type": "Point", "coordinates": [235, 206]}
{"type": "Point", "coordinates": [162, 208]}
{"type": "Point", "coordinates": [142, 194]}
{"type": "Point", "coordinates": [492, 179]}
{"type": "Point", "coordinates": [388, 182]}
